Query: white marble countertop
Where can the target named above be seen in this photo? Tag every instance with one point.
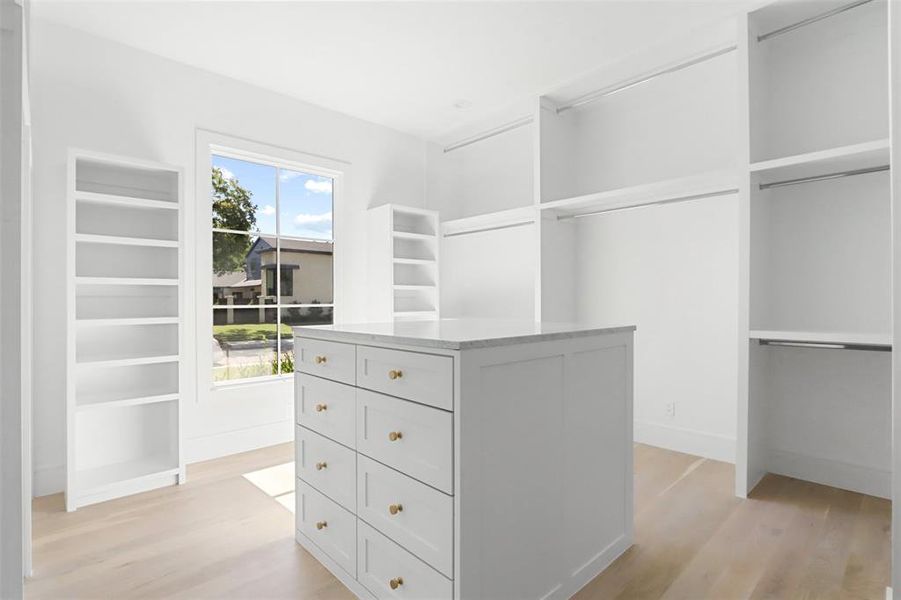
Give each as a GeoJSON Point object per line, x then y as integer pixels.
{"type": "Point", "coordinates": [455, 334]}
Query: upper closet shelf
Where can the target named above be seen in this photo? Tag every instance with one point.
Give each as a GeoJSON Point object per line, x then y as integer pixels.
{"type": "Point", "coordinates": [489, 222]}
{"type": "Point", "coordinates": [693, 187]}
{"type": "Point", "coordinates": [130, 201]}
{"type": "Point", "coordinates": [825, 163]}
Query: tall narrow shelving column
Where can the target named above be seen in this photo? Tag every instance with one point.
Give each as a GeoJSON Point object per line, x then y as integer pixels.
{"type": "Point", "coordinates": [403, 263]}
{"type": "Point", "coordinates": [125, 310]}
{"type": "Point", "coordinates": [815, 371]}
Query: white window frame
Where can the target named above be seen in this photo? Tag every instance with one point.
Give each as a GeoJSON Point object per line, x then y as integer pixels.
{"type": "Point", "coordinates": [210, 143]}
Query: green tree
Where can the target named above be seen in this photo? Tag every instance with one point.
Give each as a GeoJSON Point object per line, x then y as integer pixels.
{"type": "Point", "coordinates": [232, 209]}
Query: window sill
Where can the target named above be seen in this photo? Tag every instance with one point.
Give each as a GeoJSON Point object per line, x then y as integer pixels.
{"type": "Point", "coordinates": [250, 382]}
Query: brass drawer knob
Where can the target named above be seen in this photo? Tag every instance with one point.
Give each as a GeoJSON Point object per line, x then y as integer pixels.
{"type": "Point", "coordinates": [395, 508]}
{"type": "Point", "coordinates": [321, 407]}
{"type": "Point", "coordinates": [396, 582]}
{"type": "Point", "coordinates": [395, 374]}
{"type": "Point", "coordinates": [321, 525]}
{"type": "Point", "coordinates": [320, 360]}
{"type": "Point", "coordinates": [320, 466]}
{"type": "Point", "coordinates": [395, 435]}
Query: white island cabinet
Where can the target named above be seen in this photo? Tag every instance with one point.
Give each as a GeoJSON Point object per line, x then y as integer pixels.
{"type": "Point", "coordinates": [479, 459]}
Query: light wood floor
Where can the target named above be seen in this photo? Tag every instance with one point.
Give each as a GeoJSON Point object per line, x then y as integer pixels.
{"type": "Point", "coordinates": [219, 536]}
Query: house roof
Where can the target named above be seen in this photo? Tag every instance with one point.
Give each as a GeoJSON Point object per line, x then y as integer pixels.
{"type": "Point", "coordinates": [230, 279]}
{"type": "Point", "coordinates": [297, 245]}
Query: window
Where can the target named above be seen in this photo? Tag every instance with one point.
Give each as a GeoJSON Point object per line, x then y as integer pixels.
{"type": "Point", "coordinates": [273, 252]}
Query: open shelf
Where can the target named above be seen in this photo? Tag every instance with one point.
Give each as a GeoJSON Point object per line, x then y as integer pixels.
{"type": "Point", "coordinates": [128, 362]}
{"type": "Point", "coordinates": [100, 403]}
{"type": "Point", "coordinates": [116, 200]}
{"type": "Point", "coordinates": [414, 261]}
{"type": "Point", "coordinates": [90, 238]}
{"type": "Point", "coordinates": [823, 337]}
{"type": "Point", "coordinates": [122, 322]}
{"type": "Point", "coordinates": [490, 221]}
{"type": "Point", "coordinates": [99, 478]}
{"type": "Point", "coordinates": [406, 235]}
{"type": "Point", "coordinates": [669, 190]}
{"type": "Point", "coordinates": [418, 314]}
{"type": "Point", "coordinates": [824, 162]}
{"type": "Point", "coordinates": [125, 281]}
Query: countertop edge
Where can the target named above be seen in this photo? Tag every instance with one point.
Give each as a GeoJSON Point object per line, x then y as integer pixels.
{"type": "Point", "coordinates": [363, 338]}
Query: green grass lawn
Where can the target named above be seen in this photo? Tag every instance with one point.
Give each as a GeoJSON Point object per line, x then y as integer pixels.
{"type": "Point", "coordinates": [248, 332]}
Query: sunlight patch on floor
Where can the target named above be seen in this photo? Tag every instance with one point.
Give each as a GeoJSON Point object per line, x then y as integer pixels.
{"type": "Point", "coordinates": [277, 482]}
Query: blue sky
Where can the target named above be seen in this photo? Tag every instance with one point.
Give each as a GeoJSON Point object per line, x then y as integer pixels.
{"type": "Point", "coordinates": [305, 199]}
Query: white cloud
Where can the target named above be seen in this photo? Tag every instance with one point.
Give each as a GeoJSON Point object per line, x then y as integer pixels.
{"type": "Point", "coordinates": [285, 175]}
{"type": "Point", "coordinates": [226, 174]}
{"type": "Point", "coordinates": [304, 219]}
{"type": "Point", "coordinates": [268, 210]}
{"type": "Point", "coordinates": [320, 186]}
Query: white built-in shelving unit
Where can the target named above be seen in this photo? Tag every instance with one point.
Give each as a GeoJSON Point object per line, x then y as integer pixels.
{"type": "Point", "coordinates": [815, 373]}
{"type": "Point", "coordinates": [125, 311]}
{"type": "Point", "coordinates": [403, 263]}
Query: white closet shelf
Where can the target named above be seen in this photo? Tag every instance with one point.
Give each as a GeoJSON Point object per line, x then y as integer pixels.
{"type": "Point", "coordinates": [129, 201]}
{"type": "Point", "coordinates": [490, 221]}
{"type": "Point", "coordinates": [96, 479]}
{"type": "Point", "coordinates": [125, 281]}
{"type": "Point", "coordinates": [415, 313]}
{"type": "Point", "coordinates": [668, 190]}
{"type": "Point", "coordinates": [414, 287]}
{"type": "Point", "coordinates": [824, 162]}
{"type": "Point", "coordinates": [129, 321]}
{"type": "Point", "coordinates": [822, 337]}
{"type": "Point", "coordinates": [99, 402]}
{"type": "Point", "coordinates": [91, 238]}
{"type": "Point", "coordinates": [409, 235]}
{"type": "Point", "coordinates": [414, 261]}
{"type": "Point", "coordinates": [127, 362]}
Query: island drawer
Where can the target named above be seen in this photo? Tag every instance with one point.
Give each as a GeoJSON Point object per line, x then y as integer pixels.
{"type": "Point", "coordinates": [327, 466]}
{"type": "Point", "coordinates": [332, 360]}
{"type": "Point", "coordinates": [329, 526]}
{"type": "Point", "coordinates": [389, 571]}
{"type": "Point", "coordinates": [326, 407]}
{"type": "Point", "coordinates": [425, 378]}
{"type": "Point", "coordinates": [416, 516]}
{"type": "Point", "coordinates": [412, 438]}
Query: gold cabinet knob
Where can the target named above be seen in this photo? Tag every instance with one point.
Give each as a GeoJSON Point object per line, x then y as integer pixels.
{"type": "Point", "coordinates": [396, 582]}
{"type": "Point", "coordinates": [395, 435]}
{"type": "Point", "coordinates": [395, 374]}
{"type": "Point", "coordinates": [395, 508]}
{"type": "Point", "coordinates": [321, 407]}
{"type": "Point", "coordinates": [320, 466]}
{"type": "Point", "coordinates": [321, 525]}
{"type": "Point", "coordinates": [320, 360]}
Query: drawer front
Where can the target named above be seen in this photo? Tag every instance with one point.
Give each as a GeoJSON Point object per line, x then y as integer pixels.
{"type": "Point", "coordinates": [389, 571]}
{"type": "Point", "coordinates": [416, 516]}
{"type": "Point", "coordinates": [414, 439]}
{"type": "Point", "coordinates": [327, 466]}
{"type": "Point", "coordinates": [326, 407]}
{"type": "Point", "coordinates": [328, 525]}
{"type": "Point", "coordinates": [332, 360]}
{"type": "Point", "coordinates": [424, 378]}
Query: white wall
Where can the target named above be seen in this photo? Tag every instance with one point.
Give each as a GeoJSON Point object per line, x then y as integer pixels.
{"type": "Point", "coordinates": [101, 96]}
{"type": "Point", "coordinates": [671, 270]}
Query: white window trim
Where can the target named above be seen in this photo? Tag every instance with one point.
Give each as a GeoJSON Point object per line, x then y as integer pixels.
{"type": "Point", "coordinates": [207, 144]}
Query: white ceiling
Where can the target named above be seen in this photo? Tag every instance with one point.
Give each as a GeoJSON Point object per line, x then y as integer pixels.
{"type": "Point", "coordinates": [400, 64]}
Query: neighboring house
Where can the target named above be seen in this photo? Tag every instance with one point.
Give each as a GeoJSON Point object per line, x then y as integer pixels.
{"type": "Point", "coordinates": [306, 274]}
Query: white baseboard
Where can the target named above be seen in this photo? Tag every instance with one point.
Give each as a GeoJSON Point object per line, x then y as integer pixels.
{"type": "Point", "coordinates": [48, 480]}
{"type": "Point", "coordinates": [242, 440]}
{"type": "Point", "coordinates": [856, 478]}
{"type": "Point", "coordinates": [689, 441]}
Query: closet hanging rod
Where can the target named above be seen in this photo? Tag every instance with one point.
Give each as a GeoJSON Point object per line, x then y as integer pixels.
{"type": "Point", "coordinates": [654, 203]}
{"type": "Point", "coordinates": [489, 134]}
{"type": "Point", "coordinates": [826, 345]}
{"type": "Point", "coordinates": [813, 19]}
{"type": "Point", "coordinates": [624, 85]}
{"type": "Point", "coordinates": [488, 228]}
{"type": "Point", "coordinates": [840, 174]}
